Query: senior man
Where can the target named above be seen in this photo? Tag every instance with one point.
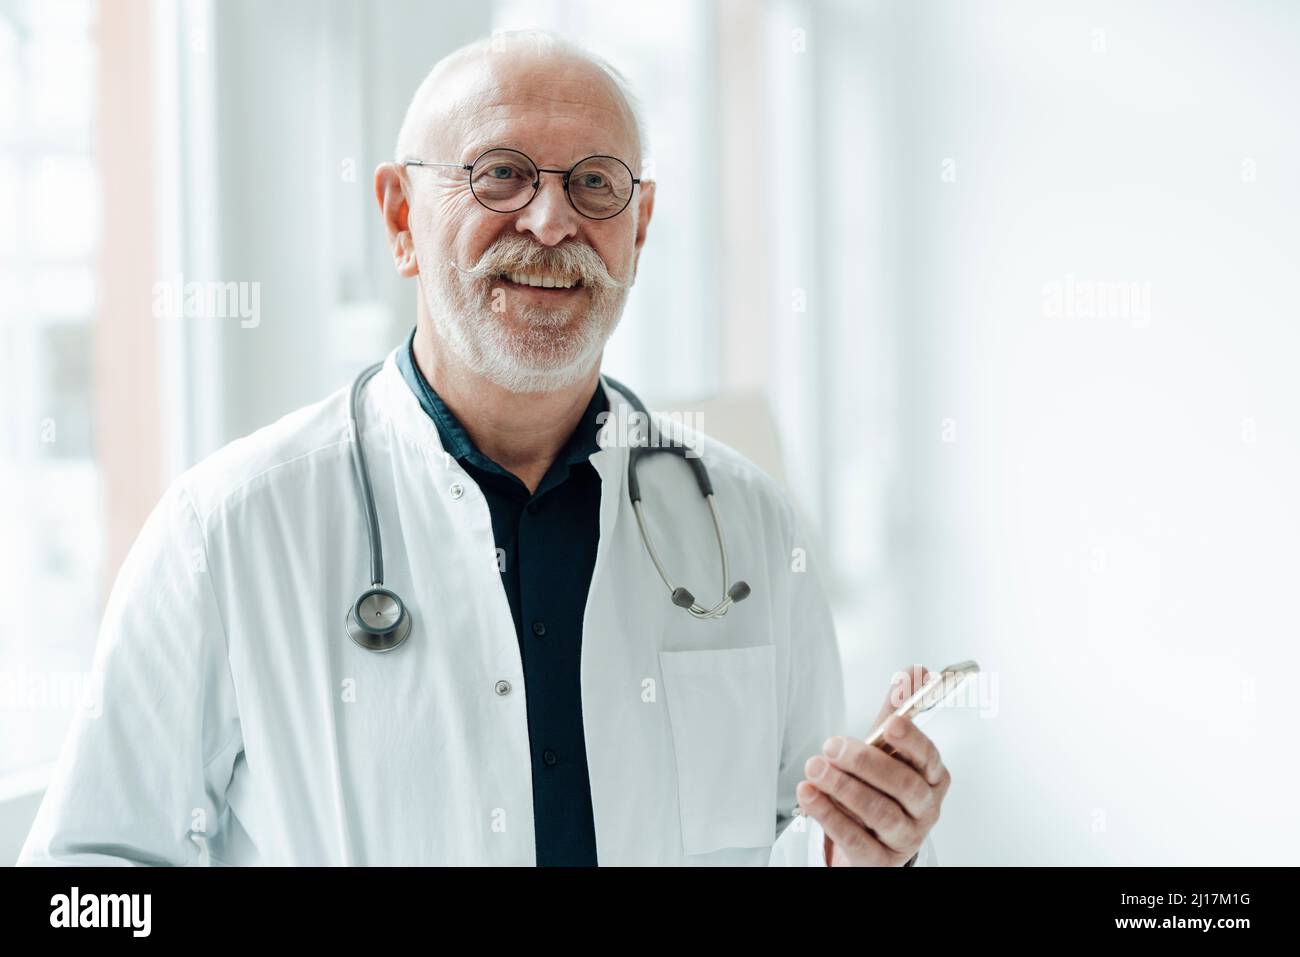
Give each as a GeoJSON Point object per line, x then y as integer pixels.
{"type": "Point", "coordinates": [552, 703]}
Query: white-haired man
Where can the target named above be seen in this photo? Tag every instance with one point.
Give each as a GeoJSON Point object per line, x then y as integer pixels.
{"type": "Point", "coordinates": [551, 704]}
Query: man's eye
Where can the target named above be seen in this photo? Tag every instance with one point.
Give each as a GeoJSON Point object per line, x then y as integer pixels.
{"type": "Point", "coordinates": [593, 181]}
{"type": "Point", "coordinates": [501, 172]}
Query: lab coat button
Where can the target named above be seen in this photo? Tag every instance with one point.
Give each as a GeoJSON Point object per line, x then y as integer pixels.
{"type": "Point", "coordinates": [503, 687]}
{"type": "Point", "coordinates": [456, 490]}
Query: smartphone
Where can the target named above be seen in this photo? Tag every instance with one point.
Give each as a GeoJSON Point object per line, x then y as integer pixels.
{"type": "Point", "coordinates": [936, 689]}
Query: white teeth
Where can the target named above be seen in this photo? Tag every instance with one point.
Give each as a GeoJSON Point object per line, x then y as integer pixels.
{"type": "Point", "coordinates": [540, 282]}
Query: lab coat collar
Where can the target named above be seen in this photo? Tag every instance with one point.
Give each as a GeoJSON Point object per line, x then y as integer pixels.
{"type": "Point", "coordinates": [396, 403]}
{"type": "Point", "coordinates": [457, 441]}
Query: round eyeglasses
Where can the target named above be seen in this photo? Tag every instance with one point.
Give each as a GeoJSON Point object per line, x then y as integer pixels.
{"type": "Point", "coordinates": [506, 180]}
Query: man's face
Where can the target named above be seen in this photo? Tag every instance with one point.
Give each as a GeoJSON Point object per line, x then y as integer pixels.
{"type": "Point", "coordinates": [525, 338]}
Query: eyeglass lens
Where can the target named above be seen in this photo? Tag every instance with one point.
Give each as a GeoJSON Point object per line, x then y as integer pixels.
{"type": "Point", "coordinates": [505, 180]}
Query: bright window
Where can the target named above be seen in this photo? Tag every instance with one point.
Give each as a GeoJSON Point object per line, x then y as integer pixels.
{"type": "Point", "coordinates": [49, 480]}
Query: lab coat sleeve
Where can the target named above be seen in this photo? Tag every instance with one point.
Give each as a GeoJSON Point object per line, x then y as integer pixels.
{"type": "Point", "coordinates": [814, 701]}
{"type": "Point", "coordinates": [143, 772]}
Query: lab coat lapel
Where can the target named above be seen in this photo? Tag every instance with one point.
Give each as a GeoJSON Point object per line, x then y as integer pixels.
{"type": "Point", "coordinates": [628, 743]}
{"type": "Point", "coordinates": [466, 640]}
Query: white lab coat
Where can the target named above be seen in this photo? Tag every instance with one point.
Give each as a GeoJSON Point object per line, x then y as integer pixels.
{"type": "Point", "coordinates": [240, 724]}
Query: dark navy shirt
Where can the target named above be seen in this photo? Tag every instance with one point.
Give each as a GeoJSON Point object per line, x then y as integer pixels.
{"type": "Point", "coordinates": [548, 540]}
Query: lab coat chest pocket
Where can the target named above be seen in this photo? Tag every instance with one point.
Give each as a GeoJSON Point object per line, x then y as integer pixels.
{"type": "Point", "coordinates": [722, 707]}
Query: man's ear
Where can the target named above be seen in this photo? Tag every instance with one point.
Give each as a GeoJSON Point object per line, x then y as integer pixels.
{"type": "Point", "coordinates": [644, 210]}
{"type": "Point", "coordinates": [390, 191]}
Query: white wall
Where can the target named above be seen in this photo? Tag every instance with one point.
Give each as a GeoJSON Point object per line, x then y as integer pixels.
{"type": "Point", "coordinates": [1112, 532]}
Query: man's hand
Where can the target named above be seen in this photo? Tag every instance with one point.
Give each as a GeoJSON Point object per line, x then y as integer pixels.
{"type": "Point", "coordinates": [877, 808]}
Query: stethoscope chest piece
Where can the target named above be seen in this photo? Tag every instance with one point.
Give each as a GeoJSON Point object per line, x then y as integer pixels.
{"type": "Point", "coordinates": [378, 621]}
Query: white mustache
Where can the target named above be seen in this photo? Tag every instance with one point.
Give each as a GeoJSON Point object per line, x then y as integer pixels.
{"type": "Point", "coordinates": [516, 254]}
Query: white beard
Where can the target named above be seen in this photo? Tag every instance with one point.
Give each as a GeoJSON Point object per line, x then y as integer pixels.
{"type": "Point", "coordinates": [550, 353]}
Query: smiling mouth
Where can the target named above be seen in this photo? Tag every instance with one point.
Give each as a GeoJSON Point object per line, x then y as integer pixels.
{"type": "Point", "coordinates": [551, 284]}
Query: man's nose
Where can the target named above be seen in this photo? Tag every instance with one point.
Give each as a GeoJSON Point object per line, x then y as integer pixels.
{"type": "Point", "coordinates": [549, 217]}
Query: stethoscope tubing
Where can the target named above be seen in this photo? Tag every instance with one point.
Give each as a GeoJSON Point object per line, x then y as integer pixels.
{"type": "Point", "coordinates": [363, 478]}
{"type": "Point", "coordinates": [374, 639]}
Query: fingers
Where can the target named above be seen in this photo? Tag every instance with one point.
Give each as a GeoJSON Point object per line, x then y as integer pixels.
{"type": "Point", "coordinates": [848, 835]}
{"type": "Point", "coordinates": [916, 777]}
{"type": "Point", "coordinates": [865, 805]}
{"type": "Point", "coordinates": [875, 806]}
{"type": "Point", "coordinates": [912, 745]}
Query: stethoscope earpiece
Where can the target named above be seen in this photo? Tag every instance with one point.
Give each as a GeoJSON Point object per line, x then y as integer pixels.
{"type": "Point", "coordinates": [681, 597]}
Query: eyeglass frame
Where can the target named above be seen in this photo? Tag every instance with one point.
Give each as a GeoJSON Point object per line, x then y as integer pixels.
{"type": "Point", "coordinates": [537, 183]}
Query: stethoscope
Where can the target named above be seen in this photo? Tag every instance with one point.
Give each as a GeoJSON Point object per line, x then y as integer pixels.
{"type": "Point", "coordinates": [379, 620]}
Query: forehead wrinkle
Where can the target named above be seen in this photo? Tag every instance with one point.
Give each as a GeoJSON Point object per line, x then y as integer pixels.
{"type": "Point", "coordinates": [519, 127]}
{"type": "Point", "coordinates": [547, 91]}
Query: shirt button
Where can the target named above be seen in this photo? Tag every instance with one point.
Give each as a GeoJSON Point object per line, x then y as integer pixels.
{"type": "Point", "coordinates": [503, 687]}
{"type": "Point", "coordinates": [534, 507]}
{"type": "Point", "coordinates": [456, 490]}
{"type": "Point", "coordinates": [549, 757]}
{"type": "Point", "coordinates": [539, 628]}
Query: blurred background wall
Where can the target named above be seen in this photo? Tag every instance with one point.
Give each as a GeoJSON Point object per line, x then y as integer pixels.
{"type": "Point", "coordinates": [1004, 293]}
